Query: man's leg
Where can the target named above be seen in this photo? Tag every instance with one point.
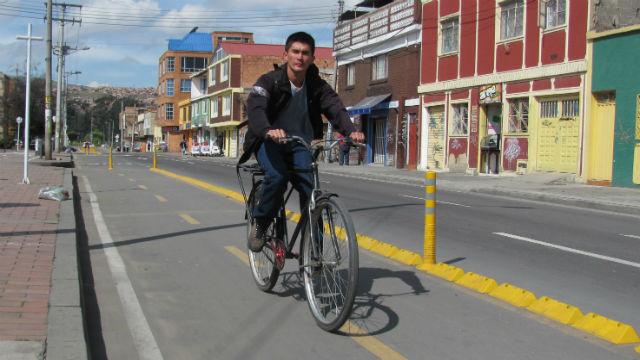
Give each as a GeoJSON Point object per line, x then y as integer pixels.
{"type": "Point", "coordinates": [271, 160]}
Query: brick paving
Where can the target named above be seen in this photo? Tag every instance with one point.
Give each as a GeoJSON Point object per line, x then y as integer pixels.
{"type": "Point", "coordinates": [28, 227]}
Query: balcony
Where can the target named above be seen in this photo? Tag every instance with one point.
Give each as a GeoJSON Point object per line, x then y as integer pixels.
{"type": "Point", "coordinates": [390, 18]}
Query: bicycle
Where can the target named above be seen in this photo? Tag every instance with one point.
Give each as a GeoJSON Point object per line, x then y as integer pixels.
{"type": "Point", "coordinates": [328, 252]}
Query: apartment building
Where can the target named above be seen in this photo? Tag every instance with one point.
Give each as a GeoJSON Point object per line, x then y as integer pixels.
{"type": "Point", "coordinates": [183, 57]}
{"type": "Point", "coordinates": [377, 47]}
{"type": "Point", "coordinates": [502, 85]}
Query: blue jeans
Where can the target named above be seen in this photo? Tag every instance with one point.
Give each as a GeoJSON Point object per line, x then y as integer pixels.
{"type": "Point", "coordinates": [277, 161]}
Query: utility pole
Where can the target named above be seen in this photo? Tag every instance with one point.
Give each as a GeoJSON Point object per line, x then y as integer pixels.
{"type": "Point", "coordinates": [29, 38]}
{"type": "Point", "coordinates": [47, 98]}
{"type": "Point", "coordinates": [62, 51]}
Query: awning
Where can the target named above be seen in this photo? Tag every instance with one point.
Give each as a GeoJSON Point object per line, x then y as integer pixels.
{"type": "Point", "coordinates": [367, 104]}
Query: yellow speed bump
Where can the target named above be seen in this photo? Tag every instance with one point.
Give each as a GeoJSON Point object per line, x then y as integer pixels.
{"type": "Point", "coordinates": [607, 329]}
{"type": "Point", "coordinates": [556, 310]}
{"type": "Point", "coordinates": [407, 257]}
{"type": "Point", "coordinates": [513, 295]}
{"type": "Point", "coordinates": [384, 249]}
{"type": "Point", "coordinates": [477, 282]}
{"type": "Point", "coordinates": [442, 270]}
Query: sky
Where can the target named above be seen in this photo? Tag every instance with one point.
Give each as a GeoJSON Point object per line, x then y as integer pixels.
{"type": "Point", "coordinates": [126, 37]}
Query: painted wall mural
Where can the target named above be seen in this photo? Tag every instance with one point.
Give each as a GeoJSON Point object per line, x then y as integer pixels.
{"type": "Point", "coordinates": [514, 149]}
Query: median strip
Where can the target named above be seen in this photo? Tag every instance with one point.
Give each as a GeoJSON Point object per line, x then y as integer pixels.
{"type": "Point", "coordinates": [610, 330]}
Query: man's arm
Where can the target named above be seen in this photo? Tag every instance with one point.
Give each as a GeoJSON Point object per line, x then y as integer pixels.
{"type": "Point", "coordinates": [257, 105]}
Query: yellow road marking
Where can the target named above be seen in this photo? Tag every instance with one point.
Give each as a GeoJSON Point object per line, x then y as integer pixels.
{"type": "Point", "coordinates": [368, 342]}
{"type": "Point", "coordinates": [160, 198]}
{"type": "Point", "coordinates": [189, 219]}
{"type": "Point", "coordinates": [143, 187]}
{"type": "Point", "coordinates": [242, 255]}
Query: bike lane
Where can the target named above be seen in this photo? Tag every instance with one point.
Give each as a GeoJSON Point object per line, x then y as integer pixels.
{"type": "Point", "coordinates": [200, 302]}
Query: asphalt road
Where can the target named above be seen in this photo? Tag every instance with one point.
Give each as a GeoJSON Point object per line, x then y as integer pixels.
{"type": "Point", "coordinates": [200, 303]}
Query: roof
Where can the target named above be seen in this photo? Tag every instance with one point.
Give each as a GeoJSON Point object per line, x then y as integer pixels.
{"type": "Point", "coordinates": [193, 41]}
{"type": "Point", "coordinates": [238, 48]}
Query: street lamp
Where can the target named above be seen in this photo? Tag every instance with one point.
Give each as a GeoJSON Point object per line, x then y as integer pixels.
{"type": "Point", "coordinates": [19, 121]}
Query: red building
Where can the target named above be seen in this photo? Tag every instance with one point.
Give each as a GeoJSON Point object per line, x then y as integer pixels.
{"type": "Point", "coordinates": [502, 85]}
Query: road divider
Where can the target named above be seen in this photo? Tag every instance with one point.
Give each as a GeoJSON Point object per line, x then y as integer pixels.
{"type": "Point", "coordinates": [610, 330]}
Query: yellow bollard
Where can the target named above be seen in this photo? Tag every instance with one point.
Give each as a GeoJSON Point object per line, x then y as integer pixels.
{"type": "Point", "coordinates": [110, 158]}
{"type": "Point", "coordinates": [430, 218]}
{"type": "Point", "coordinates": [154, 160]}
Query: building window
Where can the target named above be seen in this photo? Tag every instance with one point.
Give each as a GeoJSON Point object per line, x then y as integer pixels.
{"type": "Point", "coordinates": [170, 64]}
{"type": "Point", "coordinates": [519, 115]}
{"type": "Point", "coordinates": [555, 13]}
{"type": "Point", "coordinates": [449, 36]}
{"type": "Point", "coordinates": [351, 75]}
{"type": "Point", "coordinates": [379, 67]}
{"type": "Point", "coordinates": [193, 64]}
{"type": "Point", "coordinates": [460, 120]}
{"type": "Point", "coordinates": [511, 19]}
{"type": "Point", "coordinates": [212, 76]}
{"type": "Point", "coordinates": [168, 111]}
{"type": "Point", "coordinates": [548, 109]}
{"type": "Point", "coordinates": [214, 107]}
{"type": "Point", "coordinates": [570, 108]}
{"type": "Point", "coordinates": [169, 87]}
{"type": "Point", "coordinates": [224, 76]}
{"type": "Point", "coordinates": [226, 105]}
{"type": "Point", "coordinates": [185, 85]}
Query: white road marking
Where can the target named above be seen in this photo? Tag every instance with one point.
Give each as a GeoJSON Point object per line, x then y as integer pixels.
{"type": "Point", "coordinates": [438, 201]}
{"type": "Point", "coordinates": [571, 250]}
{"type": "Point", "coordinates": [631, 236]}
{"type": "Point", "coordinates": [143, 338]}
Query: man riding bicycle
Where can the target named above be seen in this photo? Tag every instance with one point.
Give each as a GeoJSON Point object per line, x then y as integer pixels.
{"type": "Point", "coordinates": [284, 102]}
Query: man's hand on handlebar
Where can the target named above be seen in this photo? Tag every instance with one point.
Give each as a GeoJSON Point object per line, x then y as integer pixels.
{"type": "Point", "coordinates": [357, 136]}
{"type": "Point", "coordinates": [277, 135]}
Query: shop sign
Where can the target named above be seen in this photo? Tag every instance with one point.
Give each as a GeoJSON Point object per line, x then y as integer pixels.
{"type": "Point", "coordinates": [490, 94]}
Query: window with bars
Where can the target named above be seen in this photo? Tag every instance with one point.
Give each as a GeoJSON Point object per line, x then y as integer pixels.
{"type": "Point", "coordinates": [570, 108]}
{"type": "Point", "coordinates": [460, 120]}
{"type": "Point", "coordinates": [171, 64]}
{"type": "Point", "coordinates": [555, 13]}
{"type": "Point", "coordinates": [351, 75]}
{"type": "Point", "coordinates": [168, 111]}
{"type": "Point", "coordinates": [519, 115]}
{"type": "Point", "coordinates": [549, 109]}
{"type": "Point", "coordinates": [449, 36]}
{"type": "Point", "coordinates": [511, 19]}
{"type": "Point", "coordinates": [379, 67]}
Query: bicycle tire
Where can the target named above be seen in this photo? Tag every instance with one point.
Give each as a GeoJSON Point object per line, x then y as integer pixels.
{"type": "Point", "coordinates": [330, 304]}
{"type": "Point", "coordinates": [262, 264]}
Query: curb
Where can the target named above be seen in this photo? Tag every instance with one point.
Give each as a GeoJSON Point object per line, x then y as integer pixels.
{"type": "Point", "coordinates": [65, 330]}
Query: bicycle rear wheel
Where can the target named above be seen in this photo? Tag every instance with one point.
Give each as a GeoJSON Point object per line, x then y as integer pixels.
{"type": "Point", "coordinates": [330, 264]}
{"type": "Point", "coordinates": [263, 264]}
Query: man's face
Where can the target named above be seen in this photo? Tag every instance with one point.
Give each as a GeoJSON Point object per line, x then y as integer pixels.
{"type": "Point", "coordinates": [299, 57]}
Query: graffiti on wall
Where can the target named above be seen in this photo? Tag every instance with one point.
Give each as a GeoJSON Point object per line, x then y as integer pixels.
{"type": "Point", "coordinates": [514, 149]}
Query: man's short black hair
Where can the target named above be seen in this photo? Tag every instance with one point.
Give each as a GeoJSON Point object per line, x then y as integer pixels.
{"type": "Point", "coordinates": [301, 37]}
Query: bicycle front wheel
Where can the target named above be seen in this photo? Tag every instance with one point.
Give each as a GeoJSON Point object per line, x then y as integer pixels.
{"type": "Point", "coordinates": [330, 264]}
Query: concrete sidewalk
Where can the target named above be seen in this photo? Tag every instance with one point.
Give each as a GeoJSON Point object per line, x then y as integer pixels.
{"type": "Point", "coordinates": [558, 188]}
{"type": "Point", "coordinates": [40, 314]}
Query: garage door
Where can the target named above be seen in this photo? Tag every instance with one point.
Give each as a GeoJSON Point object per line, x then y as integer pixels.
{"type": "Point", "coordinates": [558, 135]}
